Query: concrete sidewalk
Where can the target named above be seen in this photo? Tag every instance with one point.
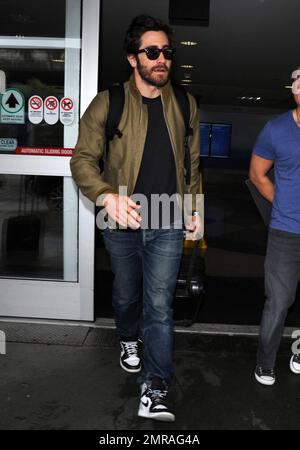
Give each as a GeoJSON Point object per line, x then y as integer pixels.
{"type": "Point", "coordinates": [57, 377]}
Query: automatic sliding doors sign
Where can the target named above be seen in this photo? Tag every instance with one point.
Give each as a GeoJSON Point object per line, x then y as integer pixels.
{"type": "Point", "coordinates": [44, 151]}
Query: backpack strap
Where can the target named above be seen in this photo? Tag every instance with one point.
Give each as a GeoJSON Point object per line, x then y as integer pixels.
{"type": "Point", "coordinates": [116, 105]}
{"type": "Point", "coordinates": [184, 104]}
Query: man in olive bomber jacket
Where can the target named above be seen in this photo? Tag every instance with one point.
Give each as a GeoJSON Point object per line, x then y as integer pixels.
{"type": "Point", "coordinates": [147, 162]}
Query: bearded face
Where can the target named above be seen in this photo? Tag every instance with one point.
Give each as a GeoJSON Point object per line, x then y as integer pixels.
{"type": "Point", "coordinates": [157, 75]}
{"type": "Point", "coordinates": [154, 72]}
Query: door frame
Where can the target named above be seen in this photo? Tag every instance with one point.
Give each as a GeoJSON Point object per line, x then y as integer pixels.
{"type": "Point", "coordinates": [60, 299]}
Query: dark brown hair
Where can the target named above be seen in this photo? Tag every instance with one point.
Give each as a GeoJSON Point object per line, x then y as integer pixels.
{"type": "Point", "coordinates": [140, 25]}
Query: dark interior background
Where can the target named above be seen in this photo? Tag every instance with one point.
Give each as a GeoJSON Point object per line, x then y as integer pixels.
{"type": "Point", "coordinates": [241, 70]}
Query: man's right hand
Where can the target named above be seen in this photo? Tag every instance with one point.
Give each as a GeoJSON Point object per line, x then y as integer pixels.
{"type": "Point", "coordinates": [122, 210]}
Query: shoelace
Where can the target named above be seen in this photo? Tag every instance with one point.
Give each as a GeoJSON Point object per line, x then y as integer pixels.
{"type": "Point", "coordinates": [131, 348]}
{"type": "Point", "coordinates": [269, 372]}
{"type": "Point", "coordinates": [157, 395]}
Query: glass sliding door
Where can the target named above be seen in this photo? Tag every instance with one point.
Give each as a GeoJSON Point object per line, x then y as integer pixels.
{"type": "Point", "coordinates": [42, 217]}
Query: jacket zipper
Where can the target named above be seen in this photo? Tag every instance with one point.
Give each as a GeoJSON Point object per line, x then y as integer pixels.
{"type": "Point", "coordinates": [172, 143]}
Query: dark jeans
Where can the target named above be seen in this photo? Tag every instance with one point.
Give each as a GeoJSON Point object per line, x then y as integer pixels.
{"type": "Point", "coordinates": [145, 264]}
{"type": "Point", "coordinates": [282, 274]}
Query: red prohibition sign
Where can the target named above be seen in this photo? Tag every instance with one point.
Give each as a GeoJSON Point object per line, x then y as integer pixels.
{"type": "Point", "coordinates": [51, 103]}
{"type": "Point", "coordinates": [67, 104]}
{"type": "Point", "coordinates": [35, 103]}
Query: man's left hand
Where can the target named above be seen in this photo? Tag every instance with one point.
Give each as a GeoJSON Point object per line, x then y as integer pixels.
{"type": "Point", "coordinates": [194, 229]}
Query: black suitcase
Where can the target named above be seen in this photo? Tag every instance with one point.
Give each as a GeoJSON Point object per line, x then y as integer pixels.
{"type": "Point", "coordinates": [189, 294]}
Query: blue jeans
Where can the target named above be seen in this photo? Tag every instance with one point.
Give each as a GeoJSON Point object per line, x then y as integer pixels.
{"type": "Point", "coordinates": [145, 264]}
{"type": "Point", "coordinates": [282, 274]}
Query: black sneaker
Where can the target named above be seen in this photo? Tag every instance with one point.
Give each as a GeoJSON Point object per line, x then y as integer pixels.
{"type": "Point", "coordinates": [295, 363]}
{"type": "Point", "coordinates": [153, 402]}
{"type": "Point", "coordinates": [265, 376]}
{"type": "Point", "coordinates": [130, 359]}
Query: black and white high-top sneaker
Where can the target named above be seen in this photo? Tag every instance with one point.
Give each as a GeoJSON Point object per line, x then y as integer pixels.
{"type": "Point", "coordinates": [153, 402]}
{"type": "Point", "coordinates": [130, 359]}
{"type": "Point", "coordinates": [264, 376]}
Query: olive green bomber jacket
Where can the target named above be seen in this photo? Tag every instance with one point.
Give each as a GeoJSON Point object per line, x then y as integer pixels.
{"type": "Point", "coordinates": [125, 154]}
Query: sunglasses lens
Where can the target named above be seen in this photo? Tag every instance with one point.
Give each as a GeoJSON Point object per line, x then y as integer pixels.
{"type": "Point", "coordinates": [153, 53]}
{"type": "Point", "coordinates": [168, 53]}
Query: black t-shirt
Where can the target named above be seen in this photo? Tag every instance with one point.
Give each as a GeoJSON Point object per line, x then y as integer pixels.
{"type": "Point", "coordinates": [157, 173]}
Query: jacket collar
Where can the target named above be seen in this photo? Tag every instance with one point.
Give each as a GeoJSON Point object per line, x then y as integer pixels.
{"type": "Point", "coordinates": [166, 90]}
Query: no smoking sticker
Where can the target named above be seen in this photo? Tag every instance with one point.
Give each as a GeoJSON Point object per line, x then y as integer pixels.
{"type": "Point", "coordinates": [35, 109]}
{"type": "Point", "coordinates": [67, 111]}
{"type": "Point", "coordinates": [51, 108]}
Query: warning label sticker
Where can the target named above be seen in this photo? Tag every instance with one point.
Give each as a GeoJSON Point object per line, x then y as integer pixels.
{"type": "Point", "coordinates": [35, 109]}
{"type": "Point", "coordinates": [66, 111]}
{"type": "Point", "coordinates": [51, 107]}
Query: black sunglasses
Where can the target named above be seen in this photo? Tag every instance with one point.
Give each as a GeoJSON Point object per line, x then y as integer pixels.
{"type": "Point", "coordinates": [153, 53]}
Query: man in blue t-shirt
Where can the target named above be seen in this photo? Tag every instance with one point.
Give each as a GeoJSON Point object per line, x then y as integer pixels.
{"type": "Point", "coordinates": [279, 144]}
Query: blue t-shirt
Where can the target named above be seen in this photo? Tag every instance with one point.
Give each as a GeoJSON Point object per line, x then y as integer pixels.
{"type": "Point", "coordinates": [279, 141]}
